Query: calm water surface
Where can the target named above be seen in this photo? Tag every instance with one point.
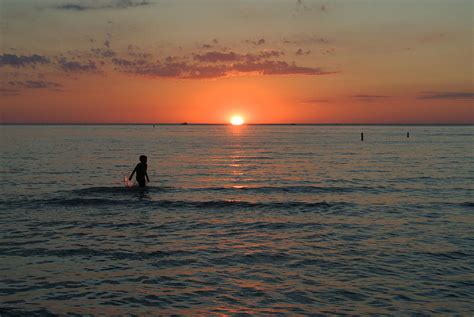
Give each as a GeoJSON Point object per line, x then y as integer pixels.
{"type": "Point", "coordinates": [251, 220]}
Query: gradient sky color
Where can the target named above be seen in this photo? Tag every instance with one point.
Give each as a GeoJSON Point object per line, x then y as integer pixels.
{"type": "Point", "coordinates": [202, 61]}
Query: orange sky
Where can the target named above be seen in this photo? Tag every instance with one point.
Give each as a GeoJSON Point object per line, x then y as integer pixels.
{"type": "Point", "coordinates": [203, 61]}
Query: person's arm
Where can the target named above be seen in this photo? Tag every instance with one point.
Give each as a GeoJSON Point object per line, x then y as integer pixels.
{"type": "Point", "coordinates": [131, 175]}
{"type": "Point", "coordinates": [146, 174]}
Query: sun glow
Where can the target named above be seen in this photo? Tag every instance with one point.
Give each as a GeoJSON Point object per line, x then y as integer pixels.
{"type": "Point", "coordinates": [237, 120]}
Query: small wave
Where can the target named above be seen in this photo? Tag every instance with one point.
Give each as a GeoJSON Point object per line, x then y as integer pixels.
{"type": "Point", "coordinates": [13, 311]}
{"type": "Point", "coordinates": [116, 190]}
{"type": "Point", "coordinates": [451, 255]}
{"type": "Point", "coordinates": [232, 189]}
{"type": "Point", "coordinates": [299, 189]}
{"type": "Point", "coordinates": [187, 204]}
{"type": "Point", "coordinates": [253, 258]}
{"type": "Point", "coordinates": [89, 253]}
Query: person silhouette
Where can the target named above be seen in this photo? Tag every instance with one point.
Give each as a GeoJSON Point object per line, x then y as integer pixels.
{"type": "Point", "coordinates": [140, 169]}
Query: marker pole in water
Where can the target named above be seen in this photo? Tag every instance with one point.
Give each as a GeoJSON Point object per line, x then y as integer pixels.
{"type": "Point", "coordinates": [362, 136]}
{"type": "Point", "coordinates": [408, 134]}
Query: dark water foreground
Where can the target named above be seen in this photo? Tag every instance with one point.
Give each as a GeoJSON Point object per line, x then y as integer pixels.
{"type": "Point", "coordinates": [298, 220]}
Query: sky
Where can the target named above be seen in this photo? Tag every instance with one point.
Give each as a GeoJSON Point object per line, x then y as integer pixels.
{"type": "Point", "coordinates": [203, 61]}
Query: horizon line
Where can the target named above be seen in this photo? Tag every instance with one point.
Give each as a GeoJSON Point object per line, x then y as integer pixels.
{"type": "Point", "coordinates": [228, 124]}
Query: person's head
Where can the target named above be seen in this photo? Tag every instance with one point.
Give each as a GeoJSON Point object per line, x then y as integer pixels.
{"type": "Point", "coordinates": [143, 159]}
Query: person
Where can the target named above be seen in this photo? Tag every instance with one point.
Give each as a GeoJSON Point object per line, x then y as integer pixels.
{"type": "Point", "coordinates": [140, 169]}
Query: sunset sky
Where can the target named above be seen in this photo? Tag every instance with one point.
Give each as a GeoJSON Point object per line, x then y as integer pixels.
{"type": "Point", "coordinates": [270, 61]}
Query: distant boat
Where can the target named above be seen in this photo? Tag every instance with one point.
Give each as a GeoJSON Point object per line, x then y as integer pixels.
{"type": "Point", "coordinates": [184, 123]}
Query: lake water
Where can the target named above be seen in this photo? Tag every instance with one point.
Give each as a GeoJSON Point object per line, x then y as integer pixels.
{"type": "Point", "coordinates": [250, 220]}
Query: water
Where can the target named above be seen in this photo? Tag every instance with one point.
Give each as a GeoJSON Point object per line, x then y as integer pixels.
{"type": "Point", "coordinates": [251, 220]}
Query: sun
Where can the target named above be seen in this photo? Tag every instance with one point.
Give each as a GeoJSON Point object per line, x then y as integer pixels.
{"type": "Point", "coordinates": [237, 120]}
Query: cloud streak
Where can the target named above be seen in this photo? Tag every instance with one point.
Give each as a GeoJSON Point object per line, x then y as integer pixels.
{"type": "Point", "coordinates": [314, 100]}
{"type": "Point", "coordinates": [452, 95]}
{"type": "Point", "coordinates": [369, 98]}
{"type": "Point", "coordinates": [35, 84]}
{"type": "Point", "coordinates": [216, 56]}
{"type": "Point", "coordinates": [200, 65]}
{"type": "Point", "coordinates": [74, 66]}
{"type": "Point", "coordinates": [18, 61]}
{"type": "Point", "coordinates": [185, 70]}
{"type": "Point", "coordinates": [86, 5]}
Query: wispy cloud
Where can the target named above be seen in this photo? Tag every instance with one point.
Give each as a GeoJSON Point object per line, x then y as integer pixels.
{"type": "Point", "coordinates": [369, 98]}
{"type": "Point", "coordinates": [300, 52]}
{"type": "Point", "coordinates": [300, 5]}
{"type": "Point", "coordinates": [88, 5]}
{"type": "Point", "coordinates": [278, 68]}
{"type": "Point", "coordinates": [35, 84]}
{"type": "Point", "coordinates": [314, 100]}
{"type": "Point", "coordinates": [452, 95]}
{"type": "Point", "coordinates": [216, 56]}
{"type": "Point", "coordinates": [74, 66]}
{"type": "Point", "coordinates": [260, 41]}
{"type": "Point", "coordinates": [306, 40]}
{"type": "Point", "coordinates": [103, 52]}
{"type": "Point", "coordinates": [22, 60]}
{"type": "Point", "coordinates": [198, 65]}
{"type": "Point", "coordinates": [186, 70]}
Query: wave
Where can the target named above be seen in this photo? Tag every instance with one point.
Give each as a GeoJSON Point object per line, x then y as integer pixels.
{"type": "Point", "coordinates": [234, 189]}
{"type": "Point", "coordinates": [87, 252]}
{"type": "Point", "coordinates": [178, 204]}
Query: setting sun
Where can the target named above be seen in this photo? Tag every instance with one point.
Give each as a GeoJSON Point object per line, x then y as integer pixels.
{"type": "Point", "coordinates": [237, 120]}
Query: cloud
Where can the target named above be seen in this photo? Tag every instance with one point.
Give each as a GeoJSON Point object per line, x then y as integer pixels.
{"type": "Point", "coordinates": [88, 5]}
{"type": "Point", "coordinates": [22, 60]}
{"type": "Point", "coordinates": [214, 57]}
{"type": "Point", "coordinates": [128, 63]}
{"type": "Point", "coordinates": [306, 40]}
{"type": "Point", "coordinates": [163, 70]}
{"type": "Point", "coordinates": [212, 64]}
{"type": "Point", "coordinates": [268, 54]}
{"type": "Point", "coordinates": [300, 5]}
{"type": "Point", "coordinates": [187, 70]}
{"type": "Point", "coordinates": [329, 51]}
{"type": "Point", "coordinates": [35, 84]}
{"type": "Point", "coordinates": [134, 51]}
{"type": "Point", "coordinates": [101, 52]}
{"type": "Point", "coordinates": [314, 100]}
{"type": "Point", "coordinates": [452, 95]}
{"type": "Point", "coordinates": [277, 68]}
{"type": "Point", "coordinates": [73, 66]}
{"type": "Point", "coordinates": [123, 4]}
{"type": "Point", "coordinates": [301, 52]}
{"type": "Point", "coordinates": [181, 70]}
{"type": "Point", "coordinates": [369, 98]}
{"type": "Point", "coordinates": [256, 42]}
